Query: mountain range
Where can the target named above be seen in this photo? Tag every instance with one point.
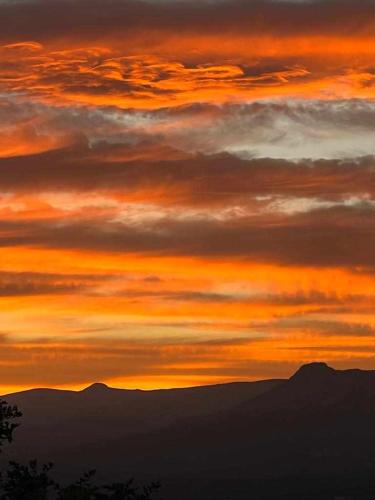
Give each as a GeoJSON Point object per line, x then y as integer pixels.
{"type": "Point", "coordinates": [310, 436]}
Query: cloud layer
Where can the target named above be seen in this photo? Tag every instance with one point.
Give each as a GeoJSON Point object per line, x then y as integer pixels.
{"type": "Point", "coordinates": [186, 190]}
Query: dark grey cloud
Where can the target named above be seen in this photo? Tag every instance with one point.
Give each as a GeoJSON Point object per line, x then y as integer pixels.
{"type": "Point", "coordinates": [338, 237]}
{"type": "Point", "coordinates": [45, 19]}
{"type": "Point", "coordinates": [285, 129]}
{"type": "Point", "coordinates": [189, 180]}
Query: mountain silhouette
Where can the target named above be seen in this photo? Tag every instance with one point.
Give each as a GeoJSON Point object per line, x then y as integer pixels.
{"type": "Point", "coordinates": [96, 387]}
{"type": "Point", "coordinates": [317, 424]}
{"type": "Point", "coordinates": [58, 420]}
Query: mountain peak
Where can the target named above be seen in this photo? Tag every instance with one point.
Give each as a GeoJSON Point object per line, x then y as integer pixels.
{"type": "Point", "coordinates": [313, 370]}
{"type": "Point", "coordinates": [96, 387]}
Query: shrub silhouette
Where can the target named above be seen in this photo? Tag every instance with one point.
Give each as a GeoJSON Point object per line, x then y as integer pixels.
{"type": "Point", "coordinates": [34, 482]}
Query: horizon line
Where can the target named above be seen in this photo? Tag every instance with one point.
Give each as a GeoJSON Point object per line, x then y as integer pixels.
{"type": "Point", "coordinates": [77, 388]}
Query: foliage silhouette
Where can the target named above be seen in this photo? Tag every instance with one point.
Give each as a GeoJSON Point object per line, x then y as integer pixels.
{"type": "Point", "coordinates": [7, 425]}
{"type": "Point", "coordinates": [86, 489]}
{"type": "Point", "coordinates": [26, 482]}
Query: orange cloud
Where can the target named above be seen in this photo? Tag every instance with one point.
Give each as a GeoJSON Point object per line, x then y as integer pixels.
{"type": "Point", "coordinates": [105, 76]}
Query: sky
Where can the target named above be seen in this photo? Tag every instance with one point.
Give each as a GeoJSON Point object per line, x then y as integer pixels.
{"type": "Point", "coordinates": [187, 190]}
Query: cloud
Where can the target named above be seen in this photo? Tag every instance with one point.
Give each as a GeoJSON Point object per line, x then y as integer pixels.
{"type": "Point", "coordinates": [150, 174]}
{"type": "Point", "coordinates": [144, 55]}
{"type": "Point", "coordinates": [21, 284]}
{"type": "Point", "coordinates": [36, 363]}
{"type": "Point", "coordinates": [337, 237]}
{"type": "Point", "coordinates": [277, 129]}
{"type": "Point", "coordinates": [100, 76]}
{"type": "Point", "coordinates": [280, 129]}
{"type": "Point", "coordinates": [106, 76]}
{"type": "Point", "coordinates": [324, 328]}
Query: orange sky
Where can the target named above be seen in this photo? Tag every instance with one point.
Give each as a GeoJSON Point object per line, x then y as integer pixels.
{"type": "Point", "coordinates": [186, 191]}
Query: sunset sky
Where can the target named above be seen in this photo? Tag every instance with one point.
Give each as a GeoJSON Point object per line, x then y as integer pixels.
{"type": "Point", "coordinates": [187, 190]}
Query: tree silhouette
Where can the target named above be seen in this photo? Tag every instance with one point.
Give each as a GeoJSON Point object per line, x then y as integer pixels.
{"type": "Point", "coordinates": [27, 482]}
{"type": "Point", "coordinates": [7, 425]}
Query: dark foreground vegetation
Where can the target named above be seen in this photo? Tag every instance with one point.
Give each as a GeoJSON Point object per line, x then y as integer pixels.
{"type": "Point", "coordinates": [33, 482]}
